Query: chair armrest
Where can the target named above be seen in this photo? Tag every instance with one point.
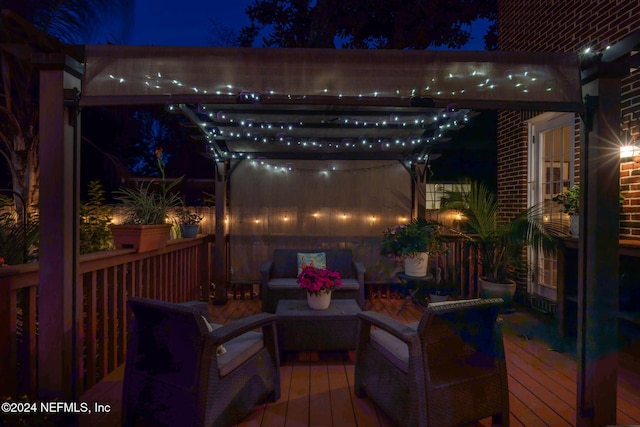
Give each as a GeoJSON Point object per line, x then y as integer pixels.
{"type": "Point", "coordinates": [359, 268]}
{"type": "Point", "coordinates": [238, 327]}
{"type": "Point", "coordinates": [399, 330]}
{"type": "Point", "coordinates": [200, 306]}
{"type": "Point", "coordinates": [265, 268]}
{"type": "Point", "coordinates": [498, 342]}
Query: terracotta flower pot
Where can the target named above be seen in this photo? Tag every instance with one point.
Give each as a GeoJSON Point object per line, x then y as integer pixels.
{"type": "Point", "coordinates": [143, 238]}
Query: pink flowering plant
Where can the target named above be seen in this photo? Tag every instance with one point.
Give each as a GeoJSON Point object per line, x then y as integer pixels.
{"type": "Point", "coordinates": [315, 279]}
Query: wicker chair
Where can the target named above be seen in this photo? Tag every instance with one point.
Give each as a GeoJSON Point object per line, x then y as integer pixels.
{"type": "Point", "coordinates": [176, 374]}
{"type": "Point", "coordinates": [447, 370]}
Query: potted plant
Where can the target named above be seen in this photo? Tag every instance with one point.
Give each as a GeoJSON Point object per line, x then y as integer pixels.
{"type": "Point", "coordinates": [145, 227]}
{"type": "Point", "coordinates": [499, 240]}
{"type": "Point", "coordinates": [189, 222]}
{"type": "Point", "coordinates": [412, 244]}
{"type": "Point", "coordinates": [570, 201]}
{"type": "Point", "coordinates": [319, 282]}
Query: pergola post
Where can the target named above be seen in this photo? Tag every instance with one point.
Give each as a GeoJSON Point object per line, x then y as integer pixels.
{"type": "Point", "coordinates": [59, 225]}
{"type": "Point", "coordinates": [220, 253]}
{"type": "Point", "coordinates": [598, 250]}
{"type": "Point", "coordinates": [418, 190]}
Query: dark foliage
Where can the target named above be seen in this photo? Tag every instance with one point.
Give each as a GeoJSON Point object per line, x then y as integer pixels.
{"type": "Point", "coordinates": [379, 24]}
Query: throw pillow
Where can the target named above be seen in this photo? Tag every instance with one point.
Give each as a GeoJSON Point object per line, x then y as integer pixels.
{"type": "Point", "coordinates": [315, 259]}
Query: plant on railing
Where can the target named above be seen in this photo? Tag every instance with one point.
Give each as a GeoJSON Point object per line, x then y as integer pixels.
{"type": "Point", "coordinates": [95, 217]}
{"type": "Point", "coordinates": [185, 216]}
{"type": "Point", "coordinates": [570, 200]}
{"type": "Point", "coordinates": [145, 205]}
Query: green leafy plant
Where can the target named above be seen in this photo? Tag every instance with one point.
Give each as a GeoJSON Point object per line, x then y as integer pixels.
{"type": "Point", "coordinates": [19, 237]}
{"type": "Point", "coordinates": [569, 199]}
{"type": "Point", "coordinates": [407, 240]}
{"type": "Point", "coordinates": [185, 216]}
{"type": "Point", "coordinates": [147, 206]}
{"type": "Point", "coordinates": [499, 240]}
{"type": "Point", "coordinates": [95, 217]}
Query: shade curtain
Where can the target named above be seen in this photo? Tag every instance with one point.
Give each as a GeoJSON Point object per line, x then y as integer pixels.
{"type": "Point", "coordinates": [313, 204]}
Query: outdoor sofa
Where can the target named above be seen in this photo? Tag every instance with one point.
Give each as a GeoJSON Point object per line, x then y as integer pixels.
{"type": "Point", "coordinates": [279, 276]}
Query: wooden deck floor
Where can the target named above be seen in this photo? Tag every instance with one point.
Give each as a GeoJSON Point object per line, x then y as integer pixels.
{"type": "Point", "coordinates": [317, 389]}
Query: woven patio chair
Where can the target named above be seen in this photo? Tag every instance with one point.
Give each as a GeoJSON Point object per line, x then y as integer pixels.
{"type": "Point", "coordinates": [177, 373]}
{"type": "Point", "coordinates": [447, 370]}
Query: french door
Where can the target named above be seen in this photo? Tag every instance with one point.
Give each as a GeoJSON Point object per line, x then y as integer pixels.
{"type": "Point", "coordinates": [551, 171]}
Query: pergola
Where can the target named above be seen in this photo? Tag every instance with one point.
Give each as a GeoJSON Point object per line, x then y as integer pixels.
{"type": "Point", "coordinates": [320, 104]}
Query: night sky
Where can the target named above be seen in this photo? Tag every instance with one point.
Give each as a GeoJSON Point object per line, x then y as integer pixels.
{"type": "Point", "coordinates": [184, 23]}
{"type": "Point", "coordinates": [187, 23]}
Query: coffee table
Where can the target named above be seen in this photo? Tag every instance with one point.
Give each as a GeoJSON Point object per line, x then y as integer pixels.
{"type": "Point", "coordinates": [303, 329]}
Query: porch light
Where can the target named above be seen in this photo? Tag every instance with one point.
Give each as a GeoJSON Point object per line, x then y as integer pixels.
{"type": "Point", "coordinates": [630, 152]}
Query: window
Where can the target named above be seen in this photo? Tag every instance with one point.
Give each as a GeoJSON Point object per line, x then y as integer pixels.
{"type": "Point", "coordinates": [551, 171]}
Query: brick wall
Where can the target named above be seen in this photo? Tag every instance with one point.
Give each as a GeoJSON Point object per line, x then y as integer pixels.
{"type": "Point", "coordinates": [566, 26]}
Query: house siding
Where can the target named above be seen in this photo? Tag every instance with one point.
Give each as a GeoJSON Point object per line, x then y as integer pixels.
{"type": "Point", "coordinates": [566, 26]}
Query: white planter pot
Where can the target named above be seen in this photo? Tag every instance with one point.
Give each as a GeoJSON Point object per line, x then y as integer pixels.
{"type": "Point", "coordinates": [319, 300]}
{"type": "Point", "coordinates": [574, 225]}
{"type": "Point", "coordinates": [416, 265]}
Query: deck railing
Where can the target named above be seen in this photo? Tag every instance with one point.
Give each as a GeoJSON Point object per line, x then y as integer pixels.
{"type": "Point", "coordinates": [177, 273]}
{"type": "Point", "coordinates": [460, 265]}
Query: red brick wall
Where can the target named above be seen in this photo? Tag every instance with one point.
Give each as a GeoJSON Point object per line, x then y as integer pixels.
{"type": "Point", "coordinates": [565, 26]}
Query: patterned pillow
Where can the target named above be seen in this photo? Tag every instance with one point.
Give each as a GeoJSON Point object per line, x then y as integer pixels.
{"type": "Point", "coordinates": [318, 260]}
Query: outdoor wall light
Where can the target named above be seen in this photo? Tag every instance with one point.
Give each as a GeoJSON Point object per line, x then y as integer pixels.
{"type": "Point", "coordinates": [630, 152]}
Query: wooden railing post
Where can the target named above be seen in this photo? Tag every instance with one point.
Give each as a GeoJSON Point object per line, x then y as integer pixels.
{"type": "Point", "coordinates": [205, 270]}
{"type": "Point", "coordinates": [8, 378]}
{"type": "Point", "coordinates": [59, 219]}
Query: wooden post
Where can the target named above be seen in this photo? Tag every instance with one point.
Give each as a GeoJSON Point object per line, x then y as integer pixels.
{"type": "Point", "coordinates": [205, 273]}
{"type": "Point", "coordinates": [598, 251]}
{"type": "Point", "coordinates": [59, 225]}
{"type": "Point", "coordinates": [418, 189]}
{"type": "Point", "coordinates": [220, 252]}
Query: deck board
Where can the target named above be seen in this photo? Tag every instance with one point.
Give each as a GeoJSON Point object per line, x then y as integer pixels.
{"type": "Point", "coordinates": [317, 388]}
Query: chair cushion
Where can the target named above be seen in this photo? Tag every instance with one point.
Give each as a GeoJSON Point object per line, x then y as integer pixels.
{"type": "Point", "coordinates": [239, 350]}
{"type": "Point", "coordinates": [393, 349]}
{"type": "Point", "coordinates": [316, 259]}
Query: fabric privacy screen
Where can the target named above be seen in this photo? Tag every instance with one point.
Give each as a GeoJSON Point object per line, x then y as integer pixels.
{"type": "Point", "coordinates": [313, 205]}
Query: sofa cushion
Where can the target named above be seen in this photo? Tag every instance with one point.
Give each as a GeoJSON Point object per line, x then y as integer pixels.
{"type": "Point", "coordinates": [315, 259]}
{"type": "Point", "coordinates": [290, 283]}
